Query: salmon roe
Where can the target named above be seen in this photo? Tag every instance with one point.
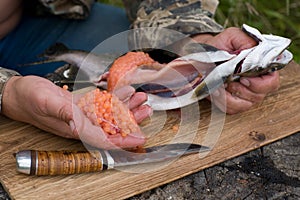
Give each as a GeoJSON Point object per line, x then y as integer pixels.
{"type": "Point", "coordinates": [107, 111]}
{"type": "Point", "coordinates": [124, 65]}
{"type": "Point", "coordinates": [65, 87]}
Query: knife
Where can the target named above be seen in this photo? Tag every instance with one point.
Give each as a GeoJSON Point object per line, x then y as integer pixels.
{"type": "Point", "coordinates": [34, 162]}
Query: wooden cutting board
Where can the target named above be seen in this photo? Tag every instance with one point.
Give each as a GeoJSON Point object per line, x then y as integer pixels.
{"type": "Point", "coordinates": [277, 117]}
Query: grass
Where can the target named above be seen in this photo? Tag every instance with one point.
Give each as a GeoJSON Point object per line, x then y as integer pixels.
{"type": "Point", "coordinates": [113, 2]}
{"type": "Point", "coordinates": [272, 16]}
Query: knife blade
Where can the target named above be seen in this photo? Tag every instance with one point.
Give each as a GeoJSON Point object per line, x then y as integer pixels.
{"type": "Point", "coordinates": [34, 162]}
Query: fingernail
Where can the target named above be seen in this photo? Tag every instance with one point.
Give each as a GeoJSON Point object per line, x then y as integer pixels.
{"type": "Point", "coordinates": [72, 125]}
{"type": "Point", "coordinates": [245, 82]}
{"type": "Point", "coordinates": [73, 128]}
{"type": "Point", "coordinates": [235, 94]}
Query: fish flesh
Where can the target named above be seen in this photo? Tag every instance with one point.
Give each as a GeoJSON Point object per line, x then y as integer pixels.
{"type": "Point", "coordinates": [186, 79]}
{"type": "Point", "coordinates": [192, 77]}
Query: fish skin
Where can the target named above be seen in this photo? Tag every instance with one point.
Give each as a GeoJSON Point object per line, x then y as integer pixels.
{"type": "Point", "coordinates": [92, 65]}
{"type": "Point", "coordinates": [269, 55]}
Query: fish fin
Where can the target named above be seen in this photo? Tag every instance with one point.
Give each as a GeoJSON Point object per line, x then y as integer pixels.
{"type": "Point", "coordinates": [37, 63]}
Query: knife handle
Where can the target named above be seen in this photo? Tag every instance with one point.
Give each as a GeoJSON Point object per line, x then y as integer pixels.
{"type": "Point", "coordinates": [34, 162]}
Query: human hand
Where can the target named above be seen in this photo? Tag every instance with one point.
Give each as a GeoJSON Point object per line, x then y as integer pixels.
{"type": "Point", "coordinates": [39, 102]}
{"type": "Point", "coordinates": [232, 39]}
{"type": "Point", "coordinates": [243, 95]}
{"type": "Point", "coordinates": [240, 96]}
{"type": "Point", "coordinates": [93, 135]}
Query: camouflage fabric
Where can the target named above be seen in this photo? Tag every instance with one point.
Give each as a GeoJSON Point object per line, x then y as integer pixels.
{"type": "Point", "coordinates": [71, 9]}
{"type": "Point", "coordinates": [132, 8]}
{"type": "Point", "coordinates": [186, 16]}
{"type": "Point", "coordinates": [5, 75]}
{"type": "Point", "coordinates": [171, 22]}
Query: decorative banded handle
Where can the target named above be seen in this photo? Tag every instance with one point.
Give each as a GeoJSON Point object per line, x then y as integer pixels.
{"type": "Point", "coordinates": [34, 162]}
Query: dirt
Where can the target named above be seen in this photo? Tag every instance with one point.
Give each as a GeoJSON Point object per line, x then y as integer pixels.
{"type": "Point", "coordinates": [271, 172]}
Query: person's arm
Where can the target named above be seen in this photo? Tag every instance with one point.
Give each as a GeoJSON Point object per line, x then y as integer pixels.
{"type": "Point", "coordinates": [249, 91]}
{"type": "Point", "coordinates": [37, 101]}
{"type": "Point", "coordinates": [187, 17]}
{"type": "Point", "coordinates": [79, 9]}
{"type": "Point", "coordinates": [195, 19]}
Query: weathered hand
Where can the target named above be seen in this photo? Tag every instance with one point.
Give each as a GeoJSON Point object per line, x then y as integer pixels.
{"type": "Point", "coordinates": [240, 96]}
{"type": "Point", "coordinates": [232, 40]}
{"type": "Point", "coordinates": [39, 102]}
{"type": "Point", "coordinates": [93, 135]}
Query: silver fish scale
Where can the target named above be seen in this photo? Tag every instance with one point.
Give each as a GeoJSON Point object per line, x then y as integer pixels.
{"type": "Point", "coordinates": [269, 55]}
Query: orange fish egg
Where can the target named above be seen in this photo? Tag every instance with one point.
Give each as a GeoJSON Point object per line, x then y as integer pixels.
{"type": "Point", "coordinates": [122, 67]}
{"type": "Point", "coordinates": [107, 111]}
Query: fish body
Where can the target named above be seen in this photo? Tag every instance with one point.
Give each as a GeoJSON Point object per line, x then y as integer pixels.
{"type": "Point", "coordinates": [185, 79]}
{"type": "Point", "coordinates": [171, 87]}
{"type": "Point", "coordinates": [90, 65]}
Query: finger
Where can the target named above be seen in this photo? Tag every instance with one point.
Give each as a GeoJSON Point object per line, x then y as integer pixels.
{"type": "Point", "coordinates": [83, 129]}
{"type": "Point", "coordinates": [124, 93]}
{"type": "Point", "coordinates": [59, 107]}
{"type": "Point", "coordinates": [243, 41]}
{"type": "Point", "coordinates": [262, 84]}
{"type": "Point", "coordinates": [229, 103]}
{"type": "Point", "coordinates": [238, 90]}
{"type": "Point", "coordinates": [142, 112]}
{"type": "Point", "coordinates": [232, 39]}
{"type": "Point", "coordinates": [55, 126]}
{"type": "Point", "coordinates": [137, 99]}
{"type": "Point", "coordinates": [96, 137]}
{"type": "Point", "coordinates": [129, 141]}
{"type": "Point", "coordinates": [218, 98]}
{"type": "Point", "coordinates": [236, 105]}
{"type": "Point", "coordinates": [77, 94]}
{"type": "Point", "coordinates": [56, 104]}
{"type": "Point", "coordinates": [63, 93]}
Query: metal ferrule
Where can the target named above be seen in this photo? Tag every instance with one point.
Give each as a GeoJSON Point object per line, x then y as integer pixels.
{"type": "Point", "coordinates": [24, 161]}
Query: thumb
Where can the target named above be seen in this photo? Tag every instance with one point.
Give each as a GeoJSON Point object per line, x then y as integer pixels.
{"type": "Point", "coordinates": [89, 133]}
{"type": "Point", "coordinates": [59, 106]}
{"type": "Point", "coordinates": [124, 93]}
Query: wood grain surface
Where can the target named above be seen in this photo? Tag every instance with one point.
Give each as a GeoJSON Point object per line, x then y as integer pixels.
{"type": "Point", "coordinates": [277, 117]}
